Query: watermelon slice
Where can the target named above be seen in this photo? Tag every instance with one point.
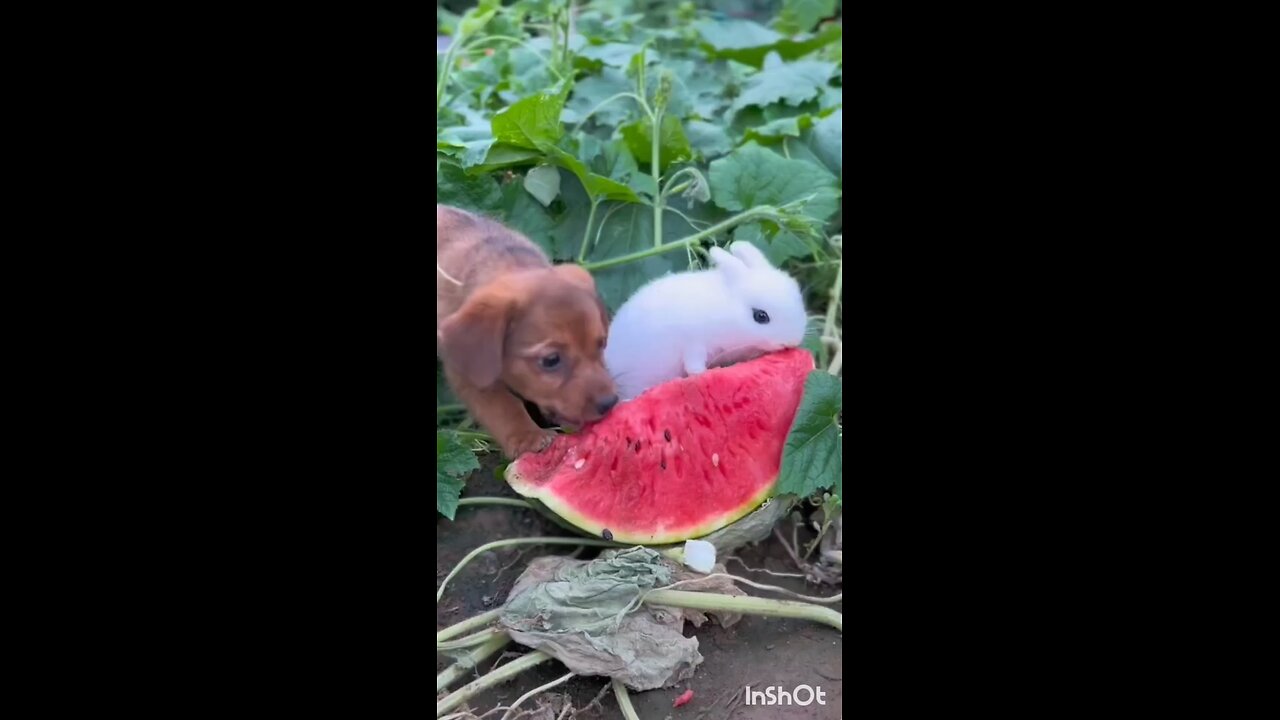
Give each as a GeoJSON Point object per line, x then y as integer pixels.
{"type": "Point", "coordinates": [682, 460]}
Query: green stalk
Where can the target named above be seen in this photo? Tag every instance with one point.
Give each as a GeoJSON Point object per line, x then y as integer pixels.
{"type": "Point", "coordinates": [456, 671]}
{"type": "Point", "coordinates": [763, 211]}
{"type": "Point", "coordinates": [657, 175]}
{"type": "Point", "coordinates": [513, 502]}
{"type": "Point", "coordinates": [446, 71]}
{"type": "Point", "coordinates": [586, 235]}
{"type": "Point", "coordinates": [502, 674]}
{"type": "Point", "coordinates": [479, 638]}
{"type": "Point", "coordinates": [519, 541]}
{"type": "Point", "coordinates": [746, 605]}
{"type": "Point", "coordinates": [469, 624]}
{"type": "Point", "coordinates": [624, 700]}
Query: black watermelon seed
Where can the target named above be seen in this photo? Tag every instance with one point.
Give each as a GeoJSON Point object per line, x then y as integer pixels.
{"type": "Point", "coordinates": [667, 434]}
{"type": "Point", "coordinates": [664, 463]}
{"type": "Point", "coordinates": [637, 446]}
{"type": "Point", "coordinates": [607, 535]}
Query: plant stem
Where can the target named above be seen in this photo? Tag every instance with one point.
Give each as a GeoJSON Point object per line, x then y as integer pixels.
{"type": "Point", "coordinates": [586, 235]}
{"type": "Point", "coordinates": [763, 211]}
{"type": "Point", "coordinates": [479, 685]}
{"type": "Point", "coordinates": [469, 624]}
{"type": "Point", "coordinates": [624, 700]}
{"type": "Point", "coordinates": [535, 691]}
{"type": "Point", "coordinates": [832, 307]}
{"type": "Point", "coordinates": [513, 502]}
{"type": "Point", "coordinates": [454, 672]}
{"type": "Point", "coordinates": [450, 408]}
{"type": "Point", "coordinates": [519, 541]}
{"type": "Point", "coordinates": [479, 638]}
{"type": "Point", "coordinates": [446, 71]}
{"type": "Point", "coordinates": [746, 605]}
{"type": "Point", "coordinates": [657, 176]}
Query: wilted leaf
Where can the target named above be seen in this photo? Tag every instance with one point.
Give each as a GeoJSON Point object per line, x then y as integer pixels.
{"type": "Point", "coordinates": [812, 458]}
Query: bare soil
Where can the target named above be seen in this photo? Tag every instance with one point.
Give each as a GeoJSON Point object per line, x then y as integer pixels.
{"type": "Point", "coordinates": [756, 651]}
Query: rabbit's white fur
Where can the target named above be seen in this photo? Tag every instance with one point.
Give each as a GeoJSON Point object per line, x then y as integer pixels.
{"type": "Point", "coordinates": [679, 324]}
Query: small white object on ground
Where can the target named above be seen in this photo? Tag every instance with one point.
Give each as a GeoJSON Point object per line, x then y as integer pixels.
{"type": "Point", "coordinates": [699, 555]}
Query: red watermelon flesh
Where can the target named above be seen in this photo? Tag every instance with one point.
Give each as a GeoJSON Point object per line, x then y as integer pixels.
{"type": "Point", "coordinates": [680, 461]}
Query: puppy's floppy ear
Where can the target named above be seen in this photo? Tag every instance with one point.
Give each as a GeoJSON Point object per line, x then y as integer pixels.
{"type": "Point", "coordinates": [750, 255]}
{"type": "Point", "coordinates": [579, 276]}
{"type": "Point", "coordinates": [471, 339]}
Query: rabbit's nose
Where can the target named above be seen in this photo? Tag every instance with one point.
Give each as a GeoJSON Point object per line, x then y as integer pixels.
{"type": "Point", "coordinates": [604, 405]}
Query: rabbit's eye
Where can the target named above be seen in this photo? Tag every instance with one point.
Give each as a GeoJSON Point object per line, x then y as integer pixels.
{"type": "Point", "coordinates": [549, 362]}
{"type": "Point", "coordinates": [760, 316]}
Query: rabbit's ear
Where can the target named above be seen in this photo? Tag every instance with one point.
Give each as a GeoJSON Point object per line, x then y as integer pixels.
{"type": "Point", "coordinates": [730, 265]}
{"type": "Point", "coordinates": [750, 255]}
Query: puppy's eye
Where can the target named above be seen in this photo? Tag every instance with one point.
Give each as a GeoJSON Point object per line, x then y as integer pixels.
{"type": "Point", "coordinates": [760, 316]}
{"type": "Point", "coordinates": [549, 362]}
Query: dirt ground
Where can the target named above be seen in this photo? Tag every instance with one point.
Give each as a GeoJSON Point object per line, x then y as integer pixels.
{"type": "Point", "coordinates": [756, 651]}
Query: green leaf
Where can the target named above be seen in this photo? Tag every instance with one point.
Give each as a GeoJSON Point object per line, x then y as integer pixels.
{"type": "Point", "coordinates": [590, 92]}
{"type": "Point", "coordinates": [724, 35]}
{"type": "Point", "coordinates": [501, 156]}
{"type": "Point", "coordinates": [778, 244]}
{"type": "Point", "coordinates": [556, 229]}
{"type": "Point", "coordinates": [595, 185]}
{"type": "Point", "coordinates": [531, 122]}
{"type": "Point", "coordinates": [791, 83]}
{"type": "Point", "coordinates": [477, 193]}
{"type": "Point", "coordinates": [701, 89]}
{"type": "Point", "coordinates": [618, 54]}
{"type": "Point", "coordinates": [812, 458]}
{"type": "Point", "coordinates": [827, 141]}
{"type": "Point", "coordinates": [673, 144]}
{"type": "Point", "coordinates": [453, 462]}
{"type": "Point", "coordinates": [543, 183]}
{"type": "Point", "coordinates": [753, 176]}
{"type": "Point", "coordinates": [710, 139]}
{"type": "Point", "coordinates": [731, 41]}
{"type": "Point", "coordinates": [801, 15]}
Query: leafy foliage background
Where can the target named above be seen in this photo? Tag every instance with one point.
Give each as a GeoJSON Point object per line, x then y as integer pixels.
{"type": "Point", "coordinates": [631, 135]}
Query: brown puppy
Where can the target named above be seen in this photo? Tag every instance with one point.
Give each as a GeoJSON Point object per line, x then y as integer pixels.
{"type": "Point", "coordinates": [511, 326]}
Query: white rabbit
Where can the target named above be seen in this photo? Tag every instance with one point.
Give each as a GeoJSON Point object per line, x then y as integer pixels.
{"type": "Point", "coordinates": [680, 324]}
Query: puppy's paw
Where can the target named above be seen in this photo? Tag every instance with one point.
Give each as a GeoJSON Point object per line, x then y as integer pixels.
{"type": "Point", "coordinates": [530, 442]}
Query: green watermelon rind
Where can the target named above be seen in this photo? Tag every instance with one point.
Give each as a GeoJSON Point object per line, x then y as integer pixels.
{"type": "Point", "coordinates": [581, 523]}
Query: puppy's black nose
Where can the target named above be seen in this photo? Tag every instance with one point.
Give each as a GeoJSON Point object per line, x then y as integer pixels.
{"type": "Point", "coordinates": [605, 405]}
